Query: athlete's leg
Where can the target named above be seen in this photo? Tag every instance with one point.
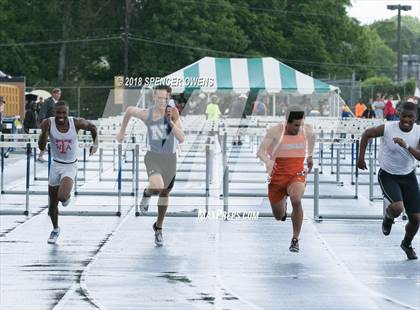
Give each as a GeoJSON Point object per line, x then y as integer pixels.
{"type": "Point", "coordinates": [412, 227]}
{"type": "Point", "coordinates": [64, 190]}
{"type": "Point", "coordinates": [154, 187]}
{"type": "Point", "coordinates": [395, 209]}
{"type": "Point", "coordinates": [279, 208]}
{"type": "Point", "coordinates": [392, 192]}
{"type": "Point", "coordinates": [295, 191]}
{"type": "Point", "coordinates": [53, 205]}
{"type": "Point", "coordinates": [277, 195]}
{"type": "Point", "coordinates": [162, 206]}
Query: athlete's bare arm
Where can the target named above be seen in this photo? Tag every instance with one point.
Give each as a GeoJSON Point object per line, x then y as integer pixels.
{"type": "Point", "coordinates": [174, 120]}
{"type": "Point", "coordinates": [43, 137]}
{"type": "Point", "coordinates": [311, 138]}
{"type": "Point", "coordinates": [83, 124]}
{"type": "Point", "coordinates": [369, 133]}
{"type": "Point", "coordinates": [413, 151]}
{"type": "Point", "coordinates": [270, 139]}
{"type": "Point", "coordinates": [130, 112]}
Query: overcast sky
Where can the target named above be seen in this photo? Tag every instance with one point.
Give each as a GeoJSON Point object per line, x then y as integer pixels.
{"type": "Point", "coordinates": [368, 11]}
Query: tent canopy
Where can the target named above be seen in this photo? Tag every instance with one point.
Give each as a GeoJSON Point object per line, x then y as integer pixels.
{"type": "Point", "coordinates": [242, 75]}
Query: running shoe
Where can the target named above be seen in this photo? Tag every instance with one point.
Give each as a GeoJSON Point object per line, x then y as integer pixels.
{"type": "Point", "coordinates": [54, 236]}
{"type": "Point", "coordinates": [144, 204]}
{"type": "Point", "coordinates": [408, 249]}
{"type": "Point", "coordinates": [67, 202]}
{"type": "Point", "coordinates": [41, 159]}
{"type": "Point", "coordinates": [387, 225]}
{"type": "Point", "coordinates": [158, 235]}
{"type": "Point", "coordinates": [294, 245]}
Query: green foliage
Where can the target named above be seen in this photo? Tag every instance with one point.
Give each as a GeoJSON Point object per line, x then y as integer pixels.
{"type": "Point", "coordinates": [385, 86]}
{"type": "Point", "coordinates": [312, 36]}
{"type": "Point", "coordinates": [410, 33]}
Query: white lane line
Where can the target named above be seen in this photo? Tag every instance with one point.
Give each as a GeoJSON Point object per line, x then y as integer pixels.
{"type": "Point", "coordinates": [82, 285]}
{"type": "Point", "coordinates": [220, 278]}
{"type": "Point", "coordinates": [20, 225]}
{"type": "Point", "coordinates": [349, 274]}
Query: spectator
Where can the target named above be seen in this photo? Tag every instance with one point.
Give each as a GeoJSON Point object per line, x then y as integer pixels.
{"type": "Point", "coordinates": [368, 113]}
{"type": "Point", "coordinates": [238, 107]}
{"type": "Point", "coordinates": [39, 104]}
{"type": "Point", "coordinates": [345, 113]}
{"type": "Point", "coordinates": [47, 110]}
{"type": "Point", "coordinates": [30, 121]}
{"type": "Point", "coordinates": [212, 110]}
{"type": "Point", "coordinates": [179, 105]}
{"type": "Point", "coordinates": [194, 104]}
{"type": "Point", "coordinates": [307, 106]}
{"type": "Point", "coordinates": [379, 106]}
{"type": "Point", "coordinates": [259, 107]}
{"type": "Point", "coordinates": [389, 111]}
{"type": "Point", "coordinates": [237, 111]}
{"type": "Point", "coordinates": [359, 108]}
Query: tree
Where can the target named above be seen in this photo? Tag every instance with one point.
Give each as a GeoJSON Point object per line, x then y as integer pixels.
{"type": "Point", "coordinates": [410, 33]}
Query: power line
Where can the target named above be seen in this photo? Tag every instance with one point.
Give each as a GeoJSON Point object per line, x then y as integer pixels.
{"type": "Point", "coordinates": [59, 41]}
{"type": "Point", "coordinates": [208, 50]}
{"type": "Point", "coordinates": [298, 61]}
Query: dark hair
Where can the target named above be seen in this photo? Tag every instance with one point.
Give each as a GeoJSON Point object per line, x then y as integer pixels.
{"type": "Point", "coordinates": [409, 106]}
{"type": "Point", "coordinates": [294, 112]}
{"type": "Point", "coordinates": [165, 87]}
{"type": "Point", "coordinates": [61, 103]}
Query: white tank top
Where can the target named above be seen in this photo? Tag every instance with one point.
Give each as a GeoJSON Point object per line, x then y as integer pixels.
{"type": "Point", "coordinates": [393, 158]}
{"type": "Point", "coordinates": [63, 144]}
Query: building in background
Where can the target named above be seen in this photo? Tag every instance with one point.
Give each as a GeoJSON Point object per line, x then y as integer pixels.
{"type": "Point", "coordinates": [12, 89]}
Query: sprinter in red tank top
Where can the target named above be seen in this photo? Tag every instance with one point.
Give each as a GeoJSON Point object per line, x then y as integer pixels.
{"type": "Point", "coordinates": [283, 151]}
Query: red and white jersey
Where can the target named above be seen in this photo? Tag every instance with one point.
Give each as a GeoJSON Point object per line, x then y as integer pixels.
{"type": "Point", "coordinates": [63, 144]}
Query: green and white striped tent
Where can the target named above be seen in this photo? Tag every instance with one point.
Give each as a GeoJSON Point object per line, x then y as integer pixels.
{"type": "Point", "coordinates": [242, 75]}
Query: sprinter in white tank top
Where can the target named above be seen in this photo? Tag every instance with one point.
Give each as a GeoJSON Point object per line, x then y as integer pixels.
{"type": "Point", "coordinates": [399, 153]}
{"type": "Point", "coordinates": [62, 131]}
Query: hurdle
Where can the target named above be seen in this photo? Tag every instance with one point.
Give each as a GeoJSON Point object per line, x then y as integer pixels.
{"type": "Point", "coordinates": [27, 146]}
{"type": "Point", "coordinates": [228, 193]}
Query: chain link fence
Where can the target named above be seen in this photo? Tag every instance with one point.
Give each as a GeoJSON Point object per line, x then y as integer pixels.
{"type": "Point", "coordinates": [84, 101]}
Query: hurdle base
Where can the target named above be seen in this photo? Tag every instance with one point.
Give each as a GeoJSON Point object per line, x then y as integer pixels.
{"type": "Point", "coordinates": [24, 192]}
{"type": "Point", "coordinates": [322, 217]}
{"type": "Point", "coordinates": [264, 195]}
{"type": "Point", "coordinates": [171, 214]}
{"type": "Point", "coordinates": [89, 193]}
{"type": "Point", "coordinates": [89, 213]}
{"type": "Point", "coordinates": [14, 212]}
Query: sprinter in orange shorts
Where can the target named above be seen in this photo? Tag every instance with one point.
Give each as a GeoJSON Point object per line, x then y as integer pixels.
{"type": "Point", "coordinates": [283, 151]}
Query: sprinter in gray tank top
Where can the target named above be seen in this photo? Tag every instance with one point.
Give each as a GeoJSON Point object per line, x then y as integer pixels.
{"type": "Point", "coordinates": [62, 132]}
{"type": "Point", "coordinates": [399, 153]}
{"type": "Point", "coordinates": [164, 131]}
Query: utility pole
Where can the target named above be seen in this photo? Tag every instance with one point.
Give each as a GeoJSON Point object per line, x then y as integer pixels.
{"type": "Point", "coordinates": [126, 29]}
{"type": "Point", "coordinates": [400, 8]}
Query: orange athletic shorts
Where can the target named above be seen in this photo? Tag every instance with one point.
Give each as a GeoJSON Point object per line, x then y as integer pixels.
{"type": "Point", "coordinates": [278, 190]}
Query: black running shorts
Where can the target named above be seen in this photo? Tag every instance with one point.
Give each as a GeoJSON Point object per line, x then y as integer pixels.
{"type": "Point", "coordinates": [403, 188]}
{"type": "Point", "coordinates": [163, 164]}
